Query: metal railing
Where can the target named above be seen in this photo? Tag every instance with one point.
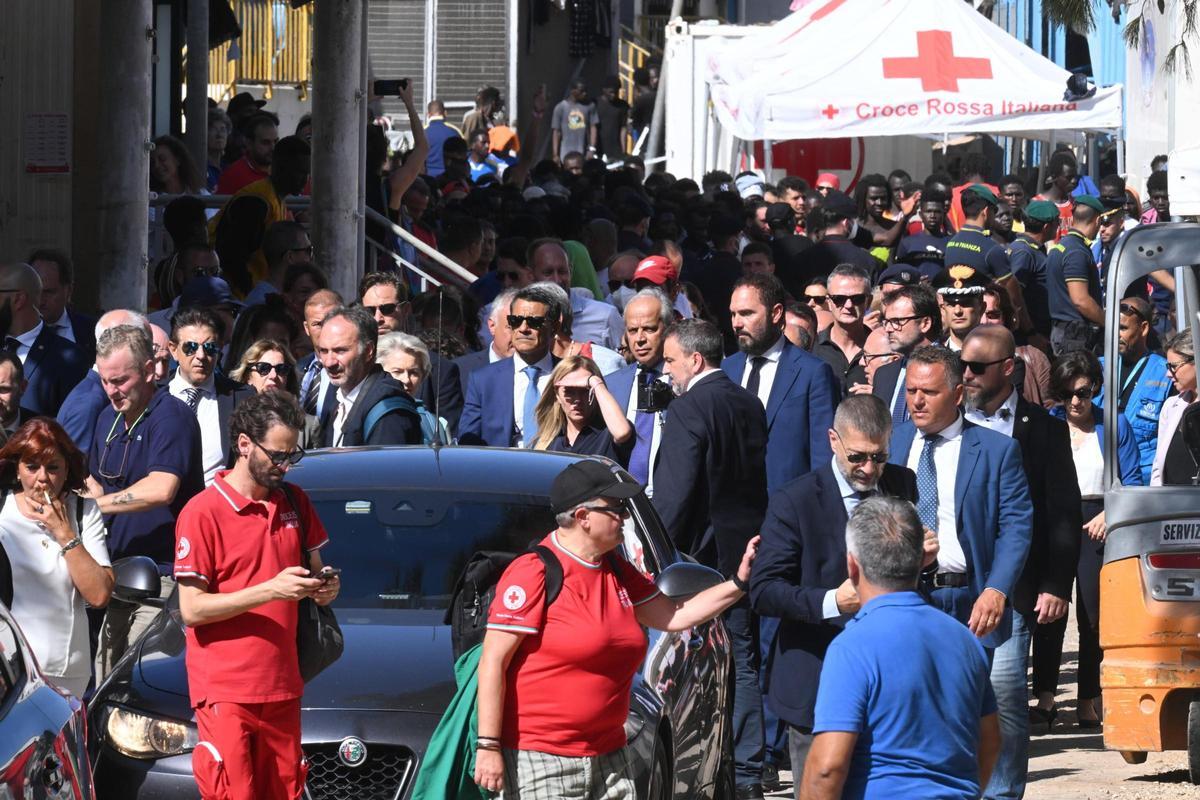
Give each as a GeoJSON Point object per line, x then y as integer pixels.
{"type": "Point", "coordinates": [275, 48]}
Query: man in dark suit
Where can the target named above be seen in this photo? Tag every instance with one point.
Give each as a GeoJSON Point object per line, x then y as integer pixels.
{"type": "Point", "coordinates": [499, 348]}
{"type": "Point", "coordinates": [711, 492]}
{"type": "Point", "coordinates": [501, 397]}
{"type": "Point", "coordinates": [1042, 592]}
{"type": "Point", "coordinates": [314, 382]}
{"type": "Point", "coordinates": [800, 574]}
{"type": "Point", "coordinates": [346, 347]}
{"type": "Point", "coordinates": [971, 492]}
{"type": "Point", "coordinates": [52, 364]}
{"type": "Point", "coordinates": [385, 297]}
{"type": "Point", "coordinates": [912, 319]}
{"type": "Point", "coordinates": [58, 282]}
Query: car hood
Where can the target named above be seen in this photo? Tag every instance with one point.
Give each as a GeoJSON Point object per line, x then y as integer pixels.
{"type": "Point", "coordinates": [394, 660]}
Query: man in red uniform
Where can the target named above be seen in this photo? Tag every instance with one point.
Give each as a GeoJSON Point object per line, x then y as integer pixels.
{"type": "Point", "coordinates": [237, 563]}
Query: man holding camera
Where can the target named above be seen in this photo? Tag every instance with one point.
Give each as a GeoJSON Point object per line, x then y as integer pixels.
{"type": "Point", "coordinates": [238, 566]}
{"type": "Point", "coordinates": [641, 387]}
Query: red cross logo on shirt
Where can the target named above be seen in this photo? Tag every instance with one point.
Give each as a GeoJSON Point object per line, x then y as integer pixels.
{"type": "Point", "coordinates": [513, 597]}
{"type": "Point", "coordinates": [936, 65]}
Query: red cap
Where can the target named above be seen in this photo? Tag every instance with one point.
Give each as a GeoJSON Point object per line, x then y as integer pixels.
{"type": "Point", "coordinates": [656, 269]}
{"type": "Point", "coordinates": [829, 179]}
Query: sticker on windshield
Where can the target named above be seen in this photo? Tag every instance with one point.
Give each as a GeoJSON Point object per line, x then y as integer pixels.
{"type": "Point", "coordinates": [1184, 531]}
{"type": "Point", "coordinates": [358, 507]}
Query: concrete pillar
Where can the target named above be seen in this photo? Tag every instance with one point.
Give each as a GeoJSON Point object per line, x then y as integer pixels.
{"type": "Point", "coordinates": [123, 136]}
{"type": "Point", "coordinates": [339, 114]}
{"type": "Point", "coordinates": [196, 108]}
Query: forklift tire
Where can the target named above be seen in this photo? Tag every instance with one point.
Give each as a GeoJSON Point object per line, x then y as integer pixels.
{"type": "Point", "coordinates": [1193, 741]}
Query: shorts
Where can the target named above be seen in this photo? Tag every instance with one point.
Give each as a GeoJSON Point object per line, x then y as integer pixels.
{"type": "Point", "coordinates": [530, 775]}
{"type": "Point", "coordinates": [249, 751]}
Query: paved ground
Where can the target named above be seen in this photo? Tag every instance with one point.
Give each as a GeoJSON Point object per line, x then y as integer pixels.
{"type": "Point", "coordinates": [1069, 764]}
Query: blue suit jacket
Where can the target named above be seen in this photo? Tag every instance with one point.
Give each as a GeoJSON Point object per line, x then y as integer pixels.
{"type": "Point", "coordinates": [487, 417]}
{"type": "Point", "coordinates": [993, 510]}
{"type": "Point", "coordinates": [469, 363]}
{"type": "Point", "coordinates": [53, 367]}
{"type": "Point", "coordinates": [800, 409]}
{"type": "Point", "coordinates": [620, 383]}
{"type": "Point", "coordinates": [81, 408]}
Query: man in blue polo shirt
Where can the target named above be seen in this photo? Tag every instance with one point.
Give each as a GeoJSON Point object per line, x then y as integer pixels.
{"type": "Point", "coordinates": [929, 729]}
{"type": "Point", "coordinates": [144, 465]}
{"type": "Point", "coordinates": [1073, 282]}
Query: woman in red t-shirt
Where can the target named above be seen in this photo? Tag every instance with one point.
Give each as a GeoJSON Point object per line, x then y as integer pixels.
{"type": "Point", "coordinates": [586, 646]}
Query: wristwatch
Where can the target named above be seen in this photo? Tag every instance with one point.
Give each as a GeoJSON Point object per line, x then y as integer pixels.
{"type": "Point", "coordinates": [71, 545]}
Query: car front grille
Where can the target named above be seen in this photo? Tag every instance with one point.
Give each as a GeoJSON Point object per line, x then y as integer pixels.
{"type": "Point", "coordinates": [383, 776]}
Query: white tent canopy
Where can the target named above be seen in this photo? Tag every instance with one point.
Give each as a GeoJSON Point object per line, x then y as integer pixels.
{"type": "Point", "coordinates": [839, 68]}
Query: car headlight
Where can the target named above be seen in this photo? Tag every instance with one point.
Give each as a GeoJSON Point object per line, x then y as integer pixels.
{"type": "Point", "coordinates": [140, 736]}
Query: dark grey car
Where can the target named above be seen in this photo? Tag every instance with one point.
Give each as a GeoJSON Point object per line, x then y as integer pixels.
{"type": "Point", "coordinates": [402, 524]}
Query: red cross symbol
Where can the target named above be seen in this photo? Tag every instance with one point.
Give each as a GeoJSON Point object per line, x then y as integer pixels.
{"type": "Point", "coordinates": [830, 112]}
{"type": "Point", "coordinates": [936, 65]}
{"type": "Point", "coordinates": [514, 598]}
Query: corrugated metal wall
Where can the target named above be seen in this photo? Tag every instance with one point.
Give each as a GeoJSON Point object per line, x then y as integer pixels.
{"type": "Point", "coordinates": [35, 78]}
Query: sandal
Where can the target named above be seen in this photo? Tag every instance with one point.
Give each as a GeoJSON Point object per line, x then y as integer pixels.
{"type": "Point", "coordinates": [1042, 716]}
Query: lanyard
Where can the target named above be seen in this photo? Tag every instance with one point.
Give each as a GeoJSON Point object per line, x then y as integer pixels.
{"type": "Point", "coordinates": [112, 432]}
{"type": "Point", "coordinates": [1133, 374]}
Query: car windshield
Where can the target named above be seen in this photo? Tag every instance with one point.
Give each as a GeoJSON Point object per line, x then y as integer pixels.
{"type": "Point", "coordinates": [404, 549]}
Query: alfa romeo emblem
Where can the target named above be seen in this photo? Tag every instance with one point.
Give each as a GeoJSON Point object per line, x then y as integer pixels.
{"type": "Point", "coordinates": [352, 752]}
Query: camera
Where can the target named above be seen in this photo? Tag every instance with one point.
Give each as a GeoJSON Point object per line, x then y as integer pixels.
{"type": "Point", "coordinates": [652, 394]}
{"type": "Point", "coordinates": [390, 88]}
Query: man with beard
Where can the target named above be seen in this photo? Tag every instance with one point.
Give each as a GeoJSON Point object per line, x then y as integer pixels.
{"type": "Point", "coordinates": [912, 319]}
{"type": "Point", "coordinates": [240, 572]}
{"type": "Point", "coordinates": [1042, 592]}
{"type": "Point", "coordinates": [800, 573]}
{"type": "Point", "coordinates": [711, 492]}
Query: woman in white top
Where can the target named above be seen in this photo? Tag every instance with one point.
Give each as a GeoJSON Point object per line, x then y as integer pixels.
{"type": "Point", "coordinates": [56, 548]}
{"type": "Point", "coordinates": [1181, 363]}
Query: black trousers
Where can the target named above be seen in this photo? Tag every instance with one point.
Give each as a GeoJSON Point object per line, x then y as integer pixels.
{"type": "Point", "coordinates": [1048, 639]}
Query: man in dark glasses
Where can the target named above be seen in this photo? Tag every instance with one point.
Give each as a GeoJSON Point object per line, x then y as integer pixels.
{"type": "Point", "coordinates": [841, 346]}
{"type": "Point", "coordinates": [1043, 590]}
{"type": "Point", "coordinates": [800, 572]}
{"type": "Point", "coordinates": [195, 345]}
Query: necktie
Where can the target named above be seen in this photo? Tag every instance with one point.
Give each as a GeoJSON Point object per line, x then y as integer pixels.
{"type": "Point", "coordinates": [643, 426]}
{"type": "Point", "coordinates": [927, 487]}
{"type": "Point", "coordinates": [339, 422]}
{"type": "Point", "coordinates": [529, 428]}
{"type": "Point", "coordinates": [756, 365]}
{"type": "Point", "coordinates": [312, 387]}
{"type": "Point", "coordinates": [192, 398]}
{"type": "Point", "coordinates": [854, 499]}
{"type": "Point", "coordinates": [900, 407]}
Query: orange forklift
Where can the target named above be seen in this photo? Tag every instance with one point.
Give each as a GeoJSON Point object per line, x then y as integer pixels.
{"type": "Point", "coordinates": [1150, 581]}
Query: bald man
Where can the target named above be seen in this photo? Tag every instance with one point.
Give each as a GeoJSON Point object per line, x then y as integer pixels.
{"type": "Point", "coordinates": [84, 403]}
{"type": "Point", "coordinates": [319, 303]}
{"type": "Point", "coordinates": [53, 365]}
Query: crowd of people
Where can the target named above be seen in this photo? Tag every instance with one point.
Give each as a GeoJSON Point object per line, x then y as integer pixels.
{"type": "Point", "coordinates": [778, 359]}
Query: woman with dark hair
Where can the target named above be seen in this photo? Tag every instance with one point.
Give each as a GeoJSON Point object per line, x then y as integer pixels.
{"type": "Point", "coordinates": [172, 170]}
{"type": "Point", "coordinates": [578, 414]}
{"type": "Point", "coordinates": [55, 541]}
{"type": "Point", "coordinates": [1075, 378]}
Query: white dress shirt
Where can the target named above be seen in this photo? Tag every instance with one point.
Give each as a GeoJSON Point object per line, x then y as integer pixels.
{"type": "Point", "coordinates": [62, 327]}
{"type": "Point", "coordinates": [766, 375]}
{"type": "Point", "coordinates": [1002, 420]}
{"type": "Point", "coordinates": [27, 339]}
{"type": "Point", "coordinates": [850, 501]}
{"type": "Point", "coordinates": [699, 376]}
{"type": "Point", "coordinates": [521, 385]}
{"type": "Point", "coordinates": [345, 403]}
{"type": "Point", "coordinates": [212, 413]}
{"type": "Point", "coordinates": [951, 557]}
{"type": "Point", "coordinates": [659, 421]}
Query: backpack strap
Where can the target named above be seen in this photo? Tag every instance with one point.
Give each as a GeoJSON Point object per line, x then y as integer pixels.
{"type": "Point", "coordinates": [291, 498]}
{"type": "Point", "coordinates": [554, 572]}
{"type": "Point", "coordinates": [384, 407]}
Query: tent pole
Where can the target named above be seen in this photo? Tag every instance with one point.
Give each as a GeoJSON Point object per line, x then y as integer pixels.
{"type": "Point", "coordinates": [1120, 142]}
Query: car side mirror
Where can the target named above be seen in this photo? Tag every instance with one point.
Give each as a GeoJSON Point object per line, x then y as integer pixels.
{"type": "Point", "coordinates": [683, 579]}
{"type": "Point", "coordinates": [137, 581]}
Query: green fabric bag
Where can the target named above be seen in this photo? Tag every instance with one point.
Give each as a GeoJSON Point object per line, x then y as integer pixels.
{"type": "Point", "coordinates": [448, 768]}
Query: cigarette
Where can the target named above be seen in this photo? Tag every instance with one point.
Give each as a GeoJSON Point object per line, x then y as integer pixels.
{"type": "Point", "coordinates": [46, 494]}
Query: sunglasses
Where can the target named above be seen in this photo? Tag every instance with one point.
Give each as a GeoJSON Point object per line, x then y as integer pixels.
{"type": "Point", "coordinates": [619, 511]}
{"type": "Point", "coordinates": [281, 457]}
{"type": "Point", "coordinates": [1133, 311]}
{"type": "Point", "coordinates": [516, 320]}
{"type": "Point", "coordinates": [980, 367]}
{"type": "Point", "coordinates": [1175, 366]}
{"type": "Point", "coordinates": [1082, 394]}
{"type": "Point", "coordinates": [211, 349]}
{"type": "Point", "coordinates": [839, 300]}
{"type": "Point", "coordinates": [824, 189]}
{"type": "Point", "coordinates": [896, 323]}
{"type": "Point", "coordinates": [862, 458]}
{"type": "Point", "coordinates": [613, 286]}
{"type": "Point", "coordinates": [816, 298]}
{"type": "Point", "coordinates": [387, 309]}
{"type": "Point", "coordinates": [264, 368]}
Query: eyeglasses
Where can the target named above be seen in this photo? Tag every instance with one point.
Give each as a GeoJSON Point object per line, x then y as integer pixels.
{"type": "Point", "coordinates": [211, 349]}
{"type": "Point", "coordinates": [537, 323]}
{"type": "Point", "coordinates": [264, 368]}
{"type": "Point", "coordinates": [281, 457]}
{"type": "Point", "coordinates": [108, 440]}
{"type": "Point", "coordinates": [1086, 393]}
{"type": "Point", "coordinates": [386, 309]}
{"type": "Point", "coordinates": [308, 251]}
{"type": "Point", "coordinates": [1175, 366]}
{"type": "Point", "coordinates": [839, 300]}
{"type": "Point", "coordinates": [862, 458]}
{"type": "Point", "coordinates": [980, 367]}
{"type": "Point", "coordinates": [614, 285]}
{"type": "Point", "coordinates": [618, 511]}
{"type": "Point", "coordinates": [867, 358]}
{"type": "Point", "coordinates": [896, 323]}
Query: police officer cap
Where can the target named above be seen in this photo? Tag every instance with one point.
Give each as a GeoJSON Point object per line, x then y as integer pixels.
{"type": "Point", "coordinates": [900, 274]}
{"type": "Point", "coordinates": [1042, 211]}
{"type": "Point", "coordinates": [1091, 201]}
{"type": "Point", "coordinates": [959, 280]}
{"type": "Point", "coordinates": [841, 204]}
{"type": "Point", "coordinates": [984, 192]}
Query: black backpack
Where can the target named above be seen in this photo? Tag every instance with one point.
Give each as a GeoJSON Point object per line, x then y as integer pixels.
{"type": "Point", "coordinates": [476, 588]}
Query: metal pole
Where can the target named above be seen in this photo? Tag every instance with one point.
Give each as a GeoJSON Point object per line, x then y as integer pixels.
{"type": "Point", "coordinates": [196, 107]}
{"type": "Point", "coordinates": [660, 98]}
{"type": "Point", "coordinates": [365, 74]}
{"type": "Point", "coordinates": [339, 112]}
{"type": "Point", "coordinates": [122, 151]}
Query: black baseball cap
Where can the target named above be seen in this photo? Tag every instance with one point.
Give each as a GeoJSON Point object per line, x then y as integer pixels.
{"type": "Point", "coordinates": [585, 480]}
{"type": "Point", "coordinates": [841, 204]}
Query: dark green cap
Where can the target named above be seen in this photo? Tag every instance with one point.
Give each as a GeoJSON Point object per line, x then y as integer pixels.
{"type": "Point", "coordinates": [1091, 201]}
{"type": "Point", "coordinates": [1042, 211]}
{"type": "Point", "coordinates": [984, 192]}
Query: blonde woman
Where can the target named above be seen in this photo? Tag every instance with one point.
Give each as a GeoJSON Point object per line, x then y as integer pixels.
{"type": "Point", "coordinates": [268, 366]}
{"type": "Point", "coordinates": [578, 414]}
